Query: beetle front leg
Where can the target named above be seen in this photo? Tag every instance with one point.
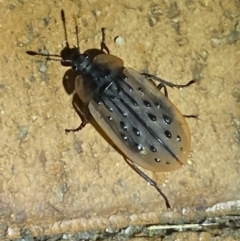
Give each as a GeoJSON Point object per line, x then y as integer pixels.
{"type": "Point", "coordinates": [80, 109]}
{"type": "Point", "coordinates": [76, 129]}
{"type": "Point", "coordinates": [103, 44]}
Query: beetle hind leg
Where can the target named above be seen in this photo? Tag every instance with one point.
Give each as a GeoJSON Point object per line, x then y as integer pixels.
{"type": "Point", "coordinates": [149, 180]}
{"type": "Point", "coordinates": [191, 116]}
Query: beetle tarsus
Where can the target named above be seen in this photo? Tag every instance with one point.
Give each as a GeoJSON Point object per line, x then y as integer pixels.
{"type": "Point", "coordinates": [76, 129]}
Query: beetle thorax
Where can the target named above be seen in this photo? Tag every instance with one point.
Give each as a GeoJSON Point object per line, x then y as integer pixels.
{"type": "Point", "coordinates": [80, 62]}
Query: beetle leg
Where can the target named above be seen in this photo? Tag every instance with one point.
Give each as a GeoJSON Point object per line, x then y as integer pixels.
{"type": "Point", "coordinates": [170, 84]}
{"type": "Point", "coordinates": [160, 86]}
{"type": "Point", "coordinates": [80, 110]}
{"type": "Point", "coordinates": [191, 116]}
{"type": "Point", "coordinates": [103, 44]}
{"type": "Point", "coordinates": [76, 129]}
{"type": "Point", "coordinates": [148, 179]}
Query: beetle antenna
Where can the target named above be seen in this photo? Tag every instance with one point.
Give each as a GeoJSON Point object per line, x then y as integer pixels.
{"type": "Point", "coordinates": [64, 27]}
{"type": "Point", "coordinates": [76, 31]}
{"type": "Point", "coordinates": [51, 57]}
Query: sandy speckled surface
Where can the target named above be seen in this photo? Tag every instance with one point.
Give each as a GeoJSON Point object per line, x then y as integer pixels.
{"type": "Point", "coordinates": [51, 182]}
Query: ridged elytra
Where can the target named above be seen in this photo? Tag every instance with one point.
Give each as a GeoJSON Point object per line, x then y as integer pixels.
{"type": "Point", "coordinates": [142, 123]}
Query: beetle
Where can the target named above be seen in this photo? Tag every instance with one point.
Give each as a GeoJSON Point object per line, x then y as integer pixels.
{"type": "Point", "coordinates": [140, 120]}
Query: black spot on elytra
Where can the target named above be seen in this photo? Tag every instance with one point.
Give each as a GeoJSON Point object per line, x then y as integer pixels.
{"type": "Point", "coordinates": [168, 134]}
{"type": "Point", "coordinates": [138, 146]}
{"type": "Point", "coordinates": [124, 137]}
{"type": "Point", "coordinates": [124, 114]}
{"type": "Point", "coordinates": [134, 102]}
{"type": "Point", "coordinates": [136, 131]}
{"type": "Point", "coordinates": [153, 148]}
{"type": "Point", "coordinates": [167, 119]}
{"type": "Point", "coordinates": [157, 159]}
{"type": "Point", "coordinates": [158, 105]}
{"type": "Point", "coordinates": [123, 125]}
{"type": "Point", "coordinates": [178, 138]}
{"type": "Point", "coordinates": [152, 117]}
{"type": "Point", "coordinates": [140, 90]}
{"type": "Point", "coordinates": [147, 103]}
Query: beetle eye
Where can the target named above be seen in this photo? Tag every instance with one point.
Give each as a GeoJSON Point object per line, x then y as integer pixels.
{"type": "Point", "coordinates": [66, 62]}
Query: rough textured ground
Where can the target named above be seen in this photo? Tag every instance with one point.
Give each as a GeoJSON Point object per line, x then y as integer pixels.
{"type": "Point", "coordinates": [51, 182]}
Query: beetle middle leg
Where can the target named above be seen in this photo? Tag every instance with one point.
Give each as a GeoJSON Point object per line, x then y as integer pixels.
{"type": "Point", "coordinates": [148, 179]}
{"type": "Point", "coordinates": [170, 84]}
{"type": "Point", "coordinates": [167, 83]}
{"type": "Point", "coordinates": [80, 109]}
{"type": "Point", "coordinates": [160, 86]}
